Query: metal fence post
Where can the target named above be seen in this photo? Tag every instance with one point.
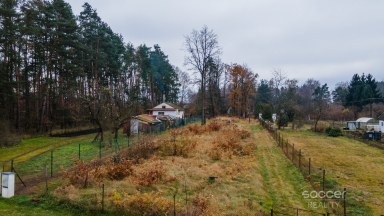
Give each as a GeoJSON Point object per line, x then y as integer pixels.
{"type": "Point", "coordinates": [345, 201]}
{"type": "Point", "coordinates": [324, 180]}
{"type": "Point", "coordinates": [51, 163]}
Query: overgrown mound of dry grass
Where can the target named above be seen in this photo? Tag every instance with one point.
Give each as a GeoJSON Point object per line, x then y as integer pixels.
{"type": "Point", "coordinates": [150, 174]}
{"type": "Point", "coordinates": [151, 203]}
{"type": "Point", "coordinates": [84, 174]}
{"type": "Point", "coordinates": [229, 143]}
{"type": "Point", "coordinates": [155, 164]}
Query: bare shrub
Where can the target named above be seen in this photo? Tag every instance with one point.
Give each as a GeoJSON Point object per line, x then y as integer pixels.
{"type": "Point", "coordinates": [213, 126]}
{"type": "Point", "coordinates": [79, 176]}
{"type": "Point", "coordinates": [151, 174]}
{"type": "Point", "coordinates": [320, 127]}
{"type": "Point", "coordinates": [195, 129]}
{"type": "Point", "coordinates": [229, 144]}
{"type": "Point", "coordinates": [183, 146]}
{"type": "Point", "coordinates": [143, 149]}
{"type": "Point", "coordinates": [66, 193]}
{"type": "Point", "coordinates": [200, 205]}
{"type": "Point", "coordinates": [119, 170]}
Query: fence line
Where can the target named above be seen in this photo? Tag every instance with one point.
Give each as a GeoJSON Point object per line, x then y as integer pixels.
{"type": "Point", "coordinates": [33, 170]}
{"type": "Point", "coordinates": [315, 175]}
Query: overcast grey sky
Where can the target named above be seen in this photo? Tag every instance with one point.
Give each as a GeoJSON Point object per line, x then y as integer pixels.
{"type": "Point", "coordinates": [326, 40]}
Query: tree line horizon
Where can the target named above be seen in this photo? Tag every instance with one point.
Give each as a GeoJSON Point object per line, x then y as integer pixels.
{"type": "Point", "coordinates": [62, 70]}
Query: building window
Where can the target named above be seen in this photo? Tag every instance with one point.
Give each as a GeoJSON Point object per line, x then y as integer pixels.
{"type": "Point", "coordinates": [161, 113]}
{"type": "Point", "coordinates": [163, 107]}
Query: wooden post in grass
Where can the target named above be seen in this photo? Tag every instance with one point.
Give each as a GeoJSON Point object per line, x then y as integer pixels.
{"type": "Point", "coordinates": [100, 149]}
{"type": "Point", "coordinates": [309, 166]}
{"type": "Point", "coordinates": [12, 168]}
{"type": "Point", "coordinates": [79, 151]}
{"type": "Point", "coordinates": [345, 201]}
{"type": "Point", "coordinates": [51, 163]}
{"type": "Point", "coordinates": [174, 204]}
{"type": "Point", "coordinates": [293, 153]}
{"type": "Point", "coordinates": [102, 199]}
{"type": "Point", "coordinates": [300, 159]}
{"type": "Point", "coordinates": [271, 212]}
{"type": "Point", "coordinates": [46, 178]}
{"type": "Point", "coordinates": [323, 179]}
{"type": "Point", "coordinates": [286, 148]}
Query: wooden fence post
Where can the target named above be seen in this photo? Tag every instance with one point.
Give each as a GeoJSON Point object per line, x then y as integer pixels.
{"type": "Point", "coordinates": [102, 199]}
{"type": "Point", "coordinates": [100, 149]}
{"type": "Point", "coordinates": [300, 159]}
{"type": "Point", "coordinates": [271, 212]}
{"type": "Point", "coordinates": [345, 201]}
{"type": "Point", "coordinates": [79, 151]}
{"type": "Point", "coordinates": [309, 166]}
{"type": "Point", "coordinates": [293, 153]}
{"type": "Point", "coordinates": [286, 148]}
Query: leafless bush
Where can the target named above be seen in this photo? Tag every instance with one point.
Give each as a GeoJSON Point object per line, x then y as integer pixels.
{"type": "Point", "coordinates": [143, 149]}
{"type": "Point", "coordinates": [151, 174]}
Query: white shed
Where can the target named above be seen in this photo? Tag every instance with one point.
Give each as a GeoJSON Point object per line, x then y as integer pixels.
{"type": "Point", "coordinates": [361, 123]}
{"type": "Point", "coordinates": [364, 121]}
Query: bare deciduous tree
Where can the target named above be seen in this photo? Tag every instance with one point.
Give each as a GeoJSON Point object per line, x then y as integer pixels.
{"type": "Point", "coordinates": [201, 46]}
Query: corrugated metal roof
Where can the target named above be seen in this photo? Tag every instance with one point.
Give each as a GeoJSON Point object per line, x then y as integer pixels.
{"type": "Point", "coordinates": [364, 119]}
{"type": "Point", "coordinates": [147, 118]}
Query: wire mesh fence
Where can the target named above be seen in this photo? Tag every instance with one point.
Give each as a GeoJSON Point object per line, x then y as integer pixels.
{"type": "Point", "coordinates": [47, 163]}
{"type": "Point", "coordinates": [333, 197]}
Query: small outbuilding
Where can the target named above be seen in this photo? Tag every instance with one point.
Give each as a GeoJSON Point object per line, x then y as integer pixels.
{"type": "Point", "coordinates": [143, 123]}
{"type": "Point", "coordinates": [361, 123]}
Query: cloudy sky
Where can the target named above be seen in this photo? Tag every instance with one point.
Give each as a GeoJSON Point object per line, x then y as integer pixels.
{"type": "Point", "coordinates": [326, 40]}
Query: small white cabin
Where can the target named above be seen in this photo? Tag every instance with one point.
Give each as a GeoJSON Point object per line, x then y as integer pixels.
{"type": "Point", "coordinates": [168, 109]}
{"type": "Point", "coordinates": [365, 123]}
{"type": "Point", "coordinates": [376, 127]}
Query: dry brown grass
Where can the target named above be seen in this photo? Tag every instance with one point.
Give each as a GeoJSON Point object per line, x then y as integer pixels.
{"type": "Point", "coordinates": [151, 203]}
{"type": "Point", "coordinates": [351, 163]}
{"type": "Point", "coordinates": [149, 173]}
{"type": "Point", "coordinates": [158, 171]}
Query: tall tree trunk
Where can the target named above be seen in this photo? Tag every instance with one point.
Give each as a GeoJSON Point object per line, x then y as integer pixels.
{"type": "Point", "coordinates": [203, 100]}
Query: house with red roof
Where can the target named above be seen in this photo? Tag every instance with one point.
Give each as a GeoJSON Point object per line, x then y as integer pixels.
{"type": "Point", "coordinates": [167, 109]}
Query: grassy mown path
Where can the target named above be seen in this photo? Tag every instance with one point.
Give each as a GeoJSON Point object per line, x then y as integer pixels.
{"type": "Point", "coordinates": [282, 181]}
{"type": "Point", "coordinates": [29, 148]}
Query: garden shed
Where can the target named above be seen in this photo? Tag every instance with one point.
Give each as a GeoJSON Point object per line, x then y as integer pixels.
{"type": "Point", "coordinates": [143, 122]}
{"type": "Point", "coordinates": [360, 123]}
{"type": "Point", "coordinates": [363, 122]}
